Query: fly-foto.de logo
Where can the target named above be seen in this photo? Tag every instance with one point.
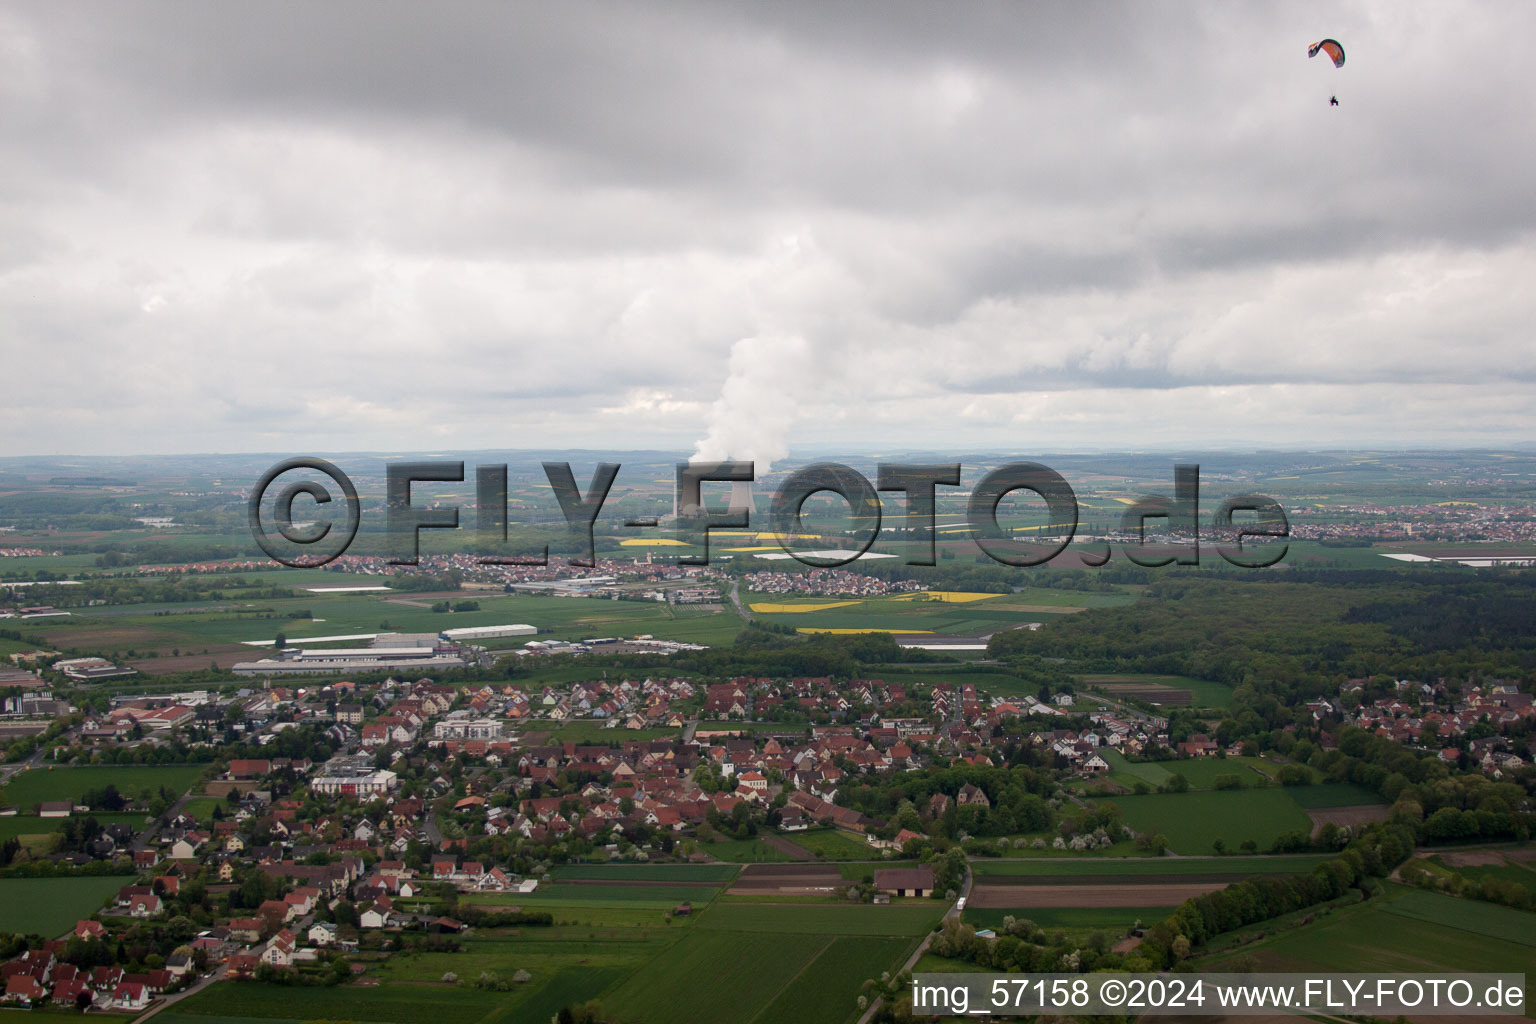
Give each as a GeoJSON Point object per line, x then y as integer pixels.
{"type": "Point", "coordinates": [1177, 517]}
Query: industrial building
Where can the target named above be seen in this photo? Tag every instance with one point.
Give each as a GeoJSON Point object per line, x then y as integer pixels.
{"type": "Point", "coordinates": [414, 652]}
{"type": "Point", "coordinates": [488, 632]}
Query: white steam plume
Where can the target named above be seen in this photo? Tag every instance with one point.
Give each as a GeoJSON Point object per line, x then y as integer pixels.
{"type": "Point", "coordinates": [759, 402]}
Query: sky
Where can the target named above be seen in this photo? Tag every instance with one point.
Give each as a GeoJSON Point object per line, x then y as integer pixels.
{"type": "Point", "coordinates": [734, 229]}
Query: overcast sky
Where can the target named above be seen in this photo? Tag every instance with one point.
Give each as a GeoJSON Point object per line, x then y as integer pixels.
{"type": "Point", "coordinates": [390, 226]}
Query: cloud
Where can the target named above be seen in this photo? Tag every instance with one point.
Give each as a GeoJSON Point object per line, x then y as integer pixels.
{"type": "Point", "coordinates": [733, 228]}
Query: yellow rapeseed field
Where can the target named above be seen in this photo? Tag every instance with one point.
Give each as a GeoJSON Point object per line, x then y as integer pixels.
{"type": "Point", "coordinates": [774, 608]}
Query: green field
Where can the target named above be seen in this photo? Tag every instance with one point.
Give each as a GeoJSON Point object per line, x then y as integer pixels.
{"type": "Point", "coordinates": [1333, 794]}
{"type": "Point", "coordinates": [39, 784]}
{"type": "Point", "coordinates": [902, 614]}
{"type": "Point", "coordinates": [1516, 926]}
{"type": "Point", "coordinates": [1518, 872]}
{"type": "Point", "coordinates": [1204, 693]}
{"type": "Point", "coordinates": [832, 844]}
{"type": "Point", "coordinates": [647, 872]}
{"type": "Point", "coordinates": [32, 825]}
{"type": "Point", "coordinates": [820, 919]}
{"type": "Point", "coordinates": [384, 1004]}
{"type": "Point", "coordinates": [584, 914]}
{"type": "Point", "coordinates": [744, 851]}
{"type": "Point", "coordinates": [810, 979]}
{"type": "Point", "coordinates": [135, 627]}
{"type": "Point", "coordinates": [1202, 773]}
{"type": "Point", "coordinates": [622, 895]}
{"type": "Point", "coordinates": [1193, 821]}
{"type": "Point", "coordinates": [201, 808]}
{"type": "Point", "coordinates": [51, 906]}
{"type": "Point", "coordinates": [1115, 920]}
{"type": "Point", "coordinates": [1406, 932]}
{"type": "Point", "coordinates": [1083, 868]}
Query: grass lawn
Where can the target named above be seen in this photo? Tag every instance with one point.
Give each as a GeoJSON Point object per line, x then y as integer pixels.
{"type": "Point", "coordinates": [832, 844]}
{"type": "Point", "coordinates": [1193, 821]}
{"type": "Point", "coordinates": [51, 906]}
{"type": "Point", "coordinates": [31, 825]}
{"type": "Point", "coordinates": [744, 851]}
{"type": "Point", "coordinates": [201, 808]}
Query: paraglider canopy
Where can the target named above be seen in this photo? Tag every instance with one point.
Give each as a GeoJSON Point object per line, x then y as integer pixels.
{"type": "Point", "coordinates": [1331, 47]}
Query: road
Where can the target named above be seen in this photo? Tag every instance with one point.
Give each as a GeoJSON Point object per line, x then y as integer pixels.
{"type": "Point", "coordinates": [7, 771]}
{"type": "Point", "coordinates": [299, 928]}
{"type": "Point", "coordinates": [143, 840]}
{"type": "Point", "coordinates": [741, 609]}
{"type": "Point", "coordinates": [192, 989]}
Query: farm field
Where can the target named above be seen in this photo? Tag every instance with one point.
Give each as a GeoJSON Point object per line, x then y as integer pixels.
{"type": "Point", "coordinates": [854, 919]}
{"type": "Point", "coordinates": [783, 960]}
{"type": "Point", "coordinates": [1427, 932]}
{"type": "Point", "coordinates": [1279, 865]}
{"type": "Point", "coordinates": [901, 614]}
{"type": "Point", "coordinates": [598, 941]}
{"type": "Point", "coordinates": [1516, 926]}
{"type": "Point", "coordinates": [646, 872]}
{"type": "Point", "coordinates": [789, 882]}
{"type": "Point", "coordinates": [1333, 794]}
{"type": "Point", "coordinates": [384, 1004]}
{"type": "Point", "coordinates": [1131, 893]}
{"type": "Point", "coordinates": [1161, 689]}
{"type": "Point", "coordinates": [1194, 821]}
{"type": "Point", "coordinates": [624, 894]}
{"type": "Point", "coordinates": [116, 630]}
{"type": "Point", "coordinates": [40, 784]}
{"type": "Point", "coordinates": [805, 977]}
{"type": "Point", "coordinates": [51, 906]}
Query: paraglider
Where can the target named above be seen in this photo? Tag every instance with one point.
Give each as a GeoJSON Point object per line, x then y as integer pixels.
{"type": "Point", "coordinates": [1331, 47]}
{"type": "Point", "coordinates": [1334, 50]}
